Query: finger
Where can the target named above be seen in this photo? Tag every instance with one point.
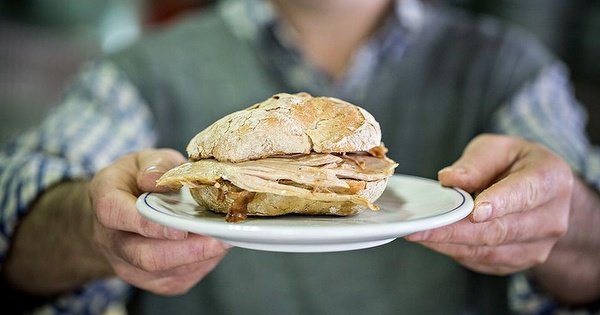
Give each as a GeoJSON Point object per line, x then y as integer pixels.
{"type": "Point", "coordinates": [181, 279]}
{"type": "Point", "coordinates": [485, 159]}
{"type": "Point", "coordinates": [113, 198]}
{"type": "Point", "coordinates": [152, 164]}
{"type": "Point", "coordinates": [176, 280]}
{"type": "Point", "coordinates": [173, 282]}
{"type": "Point", "coordinates": [527, 188]}
{"type": "Point", "coordinates": [538, 224]}
{"type": "Point", "coordinates": [114, 191]}
{"type": "Point", "coordinates": [117, 211]}
{"type": "Point", "coordinates": [163, 255]}
{"type": "Point", "coordinates": [498, 260]}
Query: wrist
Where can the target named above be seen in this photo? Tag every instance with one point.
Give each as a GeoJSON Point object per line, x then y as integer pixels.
{"type": "Point", "coordinates": [52, 249]}
{"type": "Point", "coordinates": [571, 273]}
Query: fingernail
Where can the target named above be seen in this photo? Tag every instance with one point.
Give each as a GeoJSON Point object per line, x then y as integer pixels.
{"type": "Point", "coordinates": [174, 234]}
{"type": "Point", "coordinates": [418, 236]}
{"type": "Point", "coordinates": [482, 212]}
{"type": "Point", "coordinates": [154, 169]}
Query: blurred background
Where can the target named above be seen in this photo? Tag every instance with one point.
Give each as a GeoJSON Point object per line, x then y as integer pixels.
{"type": "Point", "coordinates": [43, 43]}
{"type": "Point", "coordinates": [570, 28]}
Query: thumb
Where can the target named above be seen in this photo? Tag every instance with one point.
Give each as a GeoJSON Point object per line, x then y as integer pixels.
{"type": "Point", "coordinates": [485, 160]}
{"type": "Point", "coordinates": [154, 163]}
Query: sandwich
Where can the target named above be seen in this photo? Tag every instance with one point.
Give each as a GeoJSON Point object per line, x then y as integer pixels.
{"type": "Point", "coordinates": [290, 154]}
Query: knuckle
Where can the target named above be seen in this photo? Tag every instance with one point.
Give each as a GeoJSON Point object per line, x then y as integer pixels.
{"type": "Point", "coordinates": [499, 261]}
{"type": "Point", "coordinates": [144, 226]}
{"type": "Point", "coordinates": [557, 173]}
{"type": "Point", "coordinates": [443, 235]}
{"type": "Point", "coordinates": [103, 205]}
{"type": "Point", "coordinates": [474, 257]}
{"type": "Point", "coordinates": [497, 233]}
{"type": "Point", "coordinates": [488, 255]}
{"type": "Point", "coordinates": [483, 256]}
{"type": "Point", "coordinates": [474, 254]}
{"type": "Point", "coordinates": [208, 251]}
{"type": "Point", "coordinates": [148, 260]}
{"type": "Point", "coordinates": [533, 189]}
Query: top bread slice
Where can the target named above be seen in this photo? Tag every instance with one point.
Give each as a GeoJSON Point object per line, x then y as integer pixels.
{"type": "Point", "coordinates": [287, 124]}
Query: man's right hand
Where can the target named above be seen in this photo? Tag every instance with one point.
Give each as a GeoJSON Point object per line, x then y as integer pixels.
{"type": "Point", "coordinates": [143, 253]}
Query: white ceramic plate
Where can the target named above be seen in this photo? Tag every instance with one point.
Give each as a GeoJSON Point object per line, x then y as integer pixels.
{"type": "Point", "coordinates": [409, 204]}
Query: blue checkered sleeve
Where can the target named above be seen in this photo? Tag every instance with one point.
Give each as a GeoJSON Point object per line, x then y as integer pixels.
{"type": "Point", "coordinates": [546, 112]}
{"type": "Point", "coordinates": [101, 117]}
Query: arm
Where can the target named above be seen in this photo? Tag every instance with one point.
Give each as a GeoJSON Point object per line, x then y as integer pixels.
{"type": "Point", "coordinates": [92, 126]}
{"type": "Point", "coordinates": [572, 271]}
{"type": "Point", "coordinates": [51, 198]}
{"type": "Point", "coordinates": [78, 232]}
{"type": "Point", "coordinates": [52, 249]}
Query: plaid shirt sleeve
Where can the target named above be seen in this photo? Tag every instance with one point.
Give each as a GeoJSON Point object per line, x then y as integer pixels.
{"type": "Point", "coordinates": [546, 111]}
{"type": "Point", "coordinates": [102, 117]}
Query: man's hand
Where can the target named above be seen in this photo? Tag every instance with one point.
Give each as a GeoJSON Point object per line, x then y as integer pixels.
{"type": "Point", "coordinates": [523, 194]}
{"type": "Point", "coordinates": [143, 253]}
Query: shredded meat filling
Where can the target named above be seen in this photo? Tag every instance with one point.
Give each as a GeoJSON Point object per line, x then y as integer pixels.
{"type": "Point", "coordinates": [315, 176]}
{"type": "Point", "coordinates": [239, 209]}
{"type": "Point", "coordinates": [379, 151]}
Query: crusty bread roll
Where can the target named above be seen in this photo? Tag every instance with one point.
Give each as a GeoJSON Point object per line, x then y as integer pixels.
{"type": "Point", "coordinates": [287, 124]}
{"type": "Point", "coordinates": [292, 153]}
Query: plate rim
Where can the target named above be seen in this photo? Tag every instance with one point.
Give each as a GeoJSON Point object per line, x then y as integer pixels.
{"type": "Point", "coordinates": [246, 232]}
